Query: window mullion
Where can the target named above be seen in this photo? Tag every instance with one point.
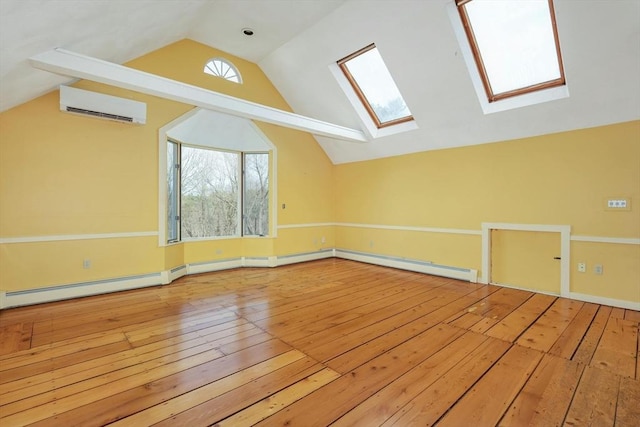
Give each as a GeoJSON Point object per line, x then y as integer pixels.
{"type": "Point", "coordinates": [178, 197]}
{"type": "Point", "coordinates": [173, 191]}
{"type": "Point", "coordinates": [241, 216]}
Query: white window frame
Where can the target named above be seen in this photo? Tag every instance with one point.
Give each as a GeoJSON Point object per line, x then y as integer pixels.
{"type": "Point", "coordinates": [163, 137]}
{"type": "Point", "coordinates": [208, 70]}
{"type": "Point", "coordinates": [175, 171]}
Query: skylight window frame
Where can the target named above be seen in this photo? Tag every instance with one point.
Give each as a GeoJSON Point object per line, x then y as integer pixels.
{"type": "Point", "coordinates": [342, 64]}
{"type": "Point", "coordinates": [477, 56]}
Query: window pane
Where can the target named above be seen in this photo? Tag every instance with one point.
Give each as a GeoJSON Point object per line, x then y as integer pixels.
{"type": "Point", "coordinates": [172, 192]}
{"type": "Point", "coordinates": [516, 41]}
{"type": "Point", "coordinates": [210, 191]}
{"type": "Point", "coordinates": [377, 86]}
{"type": "Point", "coordinates": [222, 68]}
{"type": "Point", "coordinates": [256, 194]}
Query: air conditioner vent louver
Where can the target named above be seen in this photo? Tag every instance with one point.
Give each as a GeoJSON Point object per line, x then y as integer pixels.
{"type": "Point", "coordinates": [93, 104]}
{"type": "Point", "coordinates": [99, 114]}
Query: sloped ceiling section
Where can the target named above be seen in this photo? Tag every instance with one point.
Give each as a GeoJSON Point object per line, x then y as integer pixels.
{"type": "Point", "coordinates": [600, 46]}
{"type": "Point", "coordinates": [117, 31]}
{"type": "Point", "coordinates": [296, 40]}
{"type": "Point", "coordinates": [120, 30]}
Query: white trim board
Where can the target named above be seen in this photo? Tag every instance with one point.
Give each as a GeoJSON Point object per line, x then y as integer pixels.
{"type": "Point", "coordinates": [522, 288]}
{"type": "Point", "coordinates": [384, 227]}
{"type": "Point", "coordinates": [426, 267]}
{"type": "Point", "coordinates": [314, 224]}
{"type": "Point", "coordinates": [60, 238]}
{"type": "Point", "coordinates": [65, 62]}
{"type": "Point", "coordinates": [565, 248]}
{"type": "Point", "coordinates": [630, 305]}
{"type": "Point", "coordinates": [66, 237]}
{"type": "Point", "coordinates": [410, 228]}
{"type": "Point", "coordinates": [582, 297]}
{"type": "Point", "coordinates": [602, 239]}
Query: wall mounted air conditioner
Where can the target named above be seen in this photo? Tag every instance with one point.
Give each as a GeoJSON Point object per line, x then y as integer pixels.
{"type": "Point", "coordinates": [93, 104]}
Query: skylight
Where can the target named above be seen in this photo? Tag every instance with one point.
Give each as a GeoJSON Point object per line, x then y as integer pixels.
{"type": "Point", "coordinates": [515, 45]}
{"type": "Point", "coordinates": [220, 67]}
{"type": "Point", "coordinates": [372, 82]}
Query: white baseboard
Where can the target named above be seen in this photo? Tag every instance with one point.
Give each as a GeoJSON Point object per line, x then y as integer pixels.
{"type": "Point", "coordinates": [56, 293]}
{"type": "Point", "coordinates": [468, 275]}
{"type": "Point", "coordinates": [522, 288]}
{"type": "Point", "coordinates": [629, 305]}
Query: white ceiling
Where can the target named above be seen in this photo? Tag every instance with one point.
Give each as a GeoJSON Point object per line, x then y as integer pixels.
{"type": "Point", "coordinates": [295, 41]}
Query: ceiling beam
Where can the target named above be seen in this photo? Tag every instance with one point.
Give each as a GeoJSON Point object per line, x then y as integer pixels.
{"type": "Point", "coordinates": [61, 61]}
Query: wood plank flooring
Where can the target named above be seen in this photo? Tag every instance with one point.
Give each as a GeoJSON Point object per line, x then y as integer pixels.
{"type": "Point", "coordinates": [330, 342]}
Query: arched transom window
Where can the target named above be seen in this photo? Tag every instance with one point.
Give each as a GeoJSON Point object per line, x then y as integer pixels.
{"type": "Point", "coordinates": [220, 67]}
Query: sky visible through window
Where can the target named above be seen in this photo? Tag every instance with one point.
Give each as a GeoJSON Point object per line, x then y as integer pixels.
{"type": "Point", "coordinates": [516, 42]}
{"type": "Point", "coordinates": [376, 84]}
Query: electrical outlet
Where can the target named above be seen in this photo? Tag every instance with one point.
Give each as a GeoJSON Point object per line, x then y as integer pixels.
{"type": "Point", "coordinates": [86, 263]}
{"type": "Point", "coordinates": [598, 269]}
{"type": "Point", "coordinates": [617, 204]}
{"type": "Point", "coordinates": [323, 240]}
{"type": "Point", "coordinates": [582, 267]}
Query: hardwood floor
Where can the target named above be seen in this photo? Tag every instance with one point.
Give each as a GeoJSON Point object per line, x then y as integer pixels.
{"type": "Point", "coordinates": [330, 342]}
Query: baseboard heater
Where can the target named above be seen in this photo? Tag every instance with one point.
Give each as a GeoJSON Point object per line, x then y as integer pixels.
{"type": "Point", "coordinates": [426, 267]}
{"type": "Point", "coordinates": [75, 290]}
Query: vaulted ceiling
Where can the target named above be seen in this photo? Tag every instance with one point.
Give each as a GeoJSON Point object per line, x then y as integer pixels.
{"type": "Point", "coordinates": [295, 41]}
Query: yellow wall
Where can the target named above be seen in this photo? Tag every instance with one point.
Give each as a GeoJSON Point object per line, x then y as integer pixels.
{"type": "Point", "coordinates": [526, 259]}
{"type": "Point", "coordinates": [559, 179]}
{"type": "Point", "coordinates": [64, 175]}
